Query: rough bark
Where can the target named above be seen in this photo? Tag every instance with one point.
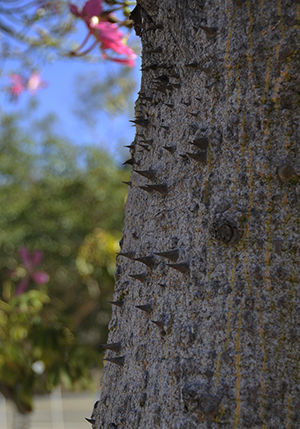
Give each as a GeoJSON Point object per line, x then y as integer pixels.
{"type": "Point", "coordinates": [217, 345]}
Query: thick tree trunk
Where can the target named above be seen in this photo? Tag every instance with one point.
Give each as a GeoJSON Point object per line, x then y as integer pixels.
{"type": "Point", "coordinates": [211, 238]}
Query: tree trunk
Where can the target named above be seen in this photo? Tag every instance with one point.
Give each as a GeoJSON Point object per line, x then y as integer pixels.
{"type": "Point", "coordinates": [210, 250]}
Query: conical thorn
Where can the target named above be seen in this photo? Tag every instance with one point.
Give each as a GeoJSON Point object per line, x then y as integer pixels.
{"type": "Point", "coordinates": [141, 277]}
{"type": "Point", "coordinates": [91, 421]}
{"type": "Point", "coordinates": [149, 174]}
{"type": "Point", "coordinates": [129, 255]}
{"type": "Point", "coordinates": [172, 255]}
{"type": "Point", "coordinates": [210, 31]}
{"type": "Point", "coordinates": [199, 156]}
{"type": "Point", "coordinates": [147, 308]}
{"type": "Point", "coordinates": [149, 260]}
{"type": "Point", "coordinates": [161, 188]}
{"type": "Point", "coordinates": [117, 360]}
{"type": "Point", "coordinates": [170, 149]}
{"type": "Point", "coordinates": [141, 121]}
{"type": "Point", "coordinates": [158, 323]}
{"type": "Point", "coordinates": [127, 183]}
{"type": "Point", "coordinates": [147, 189]}
{"type": "Point", "coordinates": [117, 303]}
{"type": "Point", "coordinates": [130, 161]}
{"type": "Point", "coordinates": [200, 142]}
{"type": "Point", "coordinates": [183, 267]}
{"type": "Point", "coordinates": [115, 347]}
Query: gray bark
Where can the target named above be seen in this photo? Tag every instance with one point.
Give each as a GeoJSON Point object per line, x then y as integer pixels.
{"type": "Point", "coordinates": [218, 128]}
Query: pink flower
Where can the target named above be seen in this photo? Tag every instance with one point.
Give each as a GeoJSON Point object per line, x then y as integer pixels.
{"type": "Point", "coordinates": [107, 34]}
{"type": "Point", "coordinates": [30, 261]}
{"type": "Point", "coordinates": [111, 37]}
{"type": "Point", "coordinates": [34, 83]}
{"type": "Point", "coordinates": [90, 9]}
{"type": "Point", "coordinates": [18, 85]}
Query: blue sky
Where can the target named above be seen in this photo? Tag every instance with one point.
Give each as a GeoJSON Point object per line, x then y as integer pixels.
{"type": "Point", "coordinates": [59, 98]}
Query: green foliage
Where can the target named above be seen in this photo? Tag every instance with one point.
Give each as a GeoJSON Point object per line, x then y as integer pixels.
{"type": "Point", "coordinates": [67, 202]}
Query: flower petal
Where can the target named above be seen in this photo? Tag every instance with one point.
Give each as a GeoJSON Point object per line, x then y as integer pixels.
{"type": "Point", "coordinates": [25, 256]}
{"type": "Point", "coordinates": [36, 257]}
{"type": "Point", "coordinates": [22, 286]}
{"type": "Point", "coordinates": [40, 277]}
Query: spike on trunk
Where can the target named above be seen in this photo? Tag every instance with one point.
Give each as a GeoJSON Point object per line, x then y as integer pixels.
{"type": "Point", "coordinates": [117, 360]}
{"type": "Point", "coordinates": [172, 255]}
{"type": "Point", "coordinates": [117, 303]}
{"type": "Point", "coordinates": [199, 157]}
{"type": "Point", "coordinates": [147, 308]}
{"type": "Point", "coordinates": [149, 261]}
{"type": "Point", "coordinates": [129, 255]}
{"type": "Point", "coordinates": [142, 277]}
{"type": "Point", "coordinates": [183, 267]}
{"type": "Point", "coordinates": [115, 347]}
{"type": "Point", "coordinates": [161, 188]}
{"type": "Point", "coordinates": [149, 174]}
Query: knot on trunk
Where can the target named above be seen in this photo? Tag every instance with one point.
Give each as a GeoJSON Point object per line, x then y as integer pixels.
{"type": "Point", "coordinates": [227, 227]}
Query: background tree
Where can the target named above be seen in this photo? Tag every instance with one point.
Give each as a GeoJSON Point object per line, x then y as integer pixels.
{"type": "Point", "coordinates": [65, 203]}
{"type": "Point", "coordinates": [206, 321]}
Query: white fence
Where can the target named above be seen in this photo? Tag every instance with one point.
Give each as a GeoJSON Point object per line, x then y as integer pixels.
{"type": "Point", "coordinates": [55, 411]}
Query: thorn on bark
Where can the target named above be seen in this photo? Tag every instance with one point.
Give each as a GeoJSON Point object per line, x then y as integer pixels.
{"type": "Point", "coordinates": [170, 149]}
{"type": "Point", "coordinates": [183, 267]}
{"type": "Point", "coordinates": [142, 277]}
{"type": "Point", "coordinates": [172, 255]}
{"type": "Point", "coordinates": [117, 360]}
{"type": "Point", "coordinates": [129, 255]}
{"type": "Point", "coordinates": [91, 421]}
{"type": "Point", "coordinates": [200, 142]}
{"type": "Point", "coordinates": [147, 308]}
{"type": "Point", "coordinates": [149, 261]}
{"type": "Point", "coordinates": [161, 188]}
{"type": "Point", "coordinates": [162, 284]}
{"type": "Point", "coordinates": [117, 303]}
{"type": "Point", "coordinates": [210, 31]}
{"type": "Point", "coordinates": [141, 121]}
{"type": "Point", "coordinates": [147, 189]}
{"type": "Point", "coordinates": [149, 174]}
{"type": "Point", "coordinates": [199, 157]}
{"type": "Point", "coordinates": [166, 127]}
{"type": "Point", "coordinates": [160, 324]}
{"type": "Point", "coordinates": [171, 105]}
{"type": "Point", "coordinates": [130, 161]}
{"type": "Point", "coordinates": [115, 347]}
{"type": "Point", "coordinates": [130, 146]}
{"type": "Point", "coordinates": [127, 183]}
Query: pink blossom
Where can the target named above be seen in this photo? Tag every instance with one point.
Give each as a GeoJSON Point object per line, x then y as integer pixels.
{"type": "Point", "coordinates": [30, 262]}
{"type": "Point", "coordinates": [90, 9]}
{"type": "Point", "coordinates": [107, 34]}
{"type": "Point", "coordinates": [34, 83]}
{"type": "Point", "coordinates": [111, 37]}
{"type": "Point", "coordinates": [18, 85]}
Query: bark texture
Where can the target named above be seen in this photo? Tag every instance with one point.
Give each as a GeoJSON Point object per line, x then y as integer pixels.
{"type": "Point", "coordinates": [210, 250]}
